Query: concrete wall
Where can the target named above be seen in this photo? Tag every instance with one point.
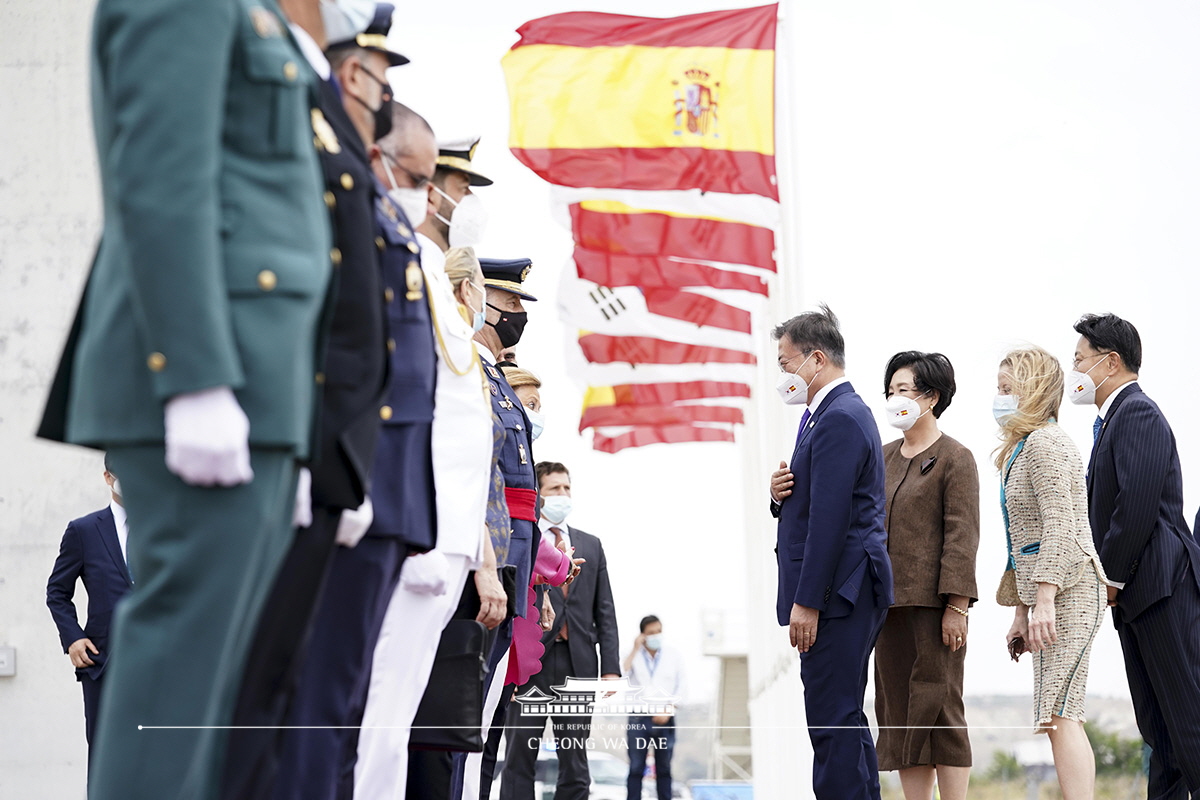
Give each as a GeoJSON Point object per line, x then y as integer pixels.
{"type": "Point", "coordinates": [49, 222]}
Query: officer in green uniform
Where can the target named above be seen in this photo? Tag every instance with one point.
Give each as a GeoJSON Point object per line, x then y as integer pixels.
{"type": "Point", "coordinates": [192, 358]}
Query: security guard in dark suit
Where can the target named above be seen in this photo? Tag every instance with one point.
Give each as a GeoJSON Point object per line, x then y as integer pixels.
{"type": "Point", "coordinates": [353, 384]}
{"type": "Point", "coordinates": [204, 303]}
{"type": "Point", "coordinates": [506, 319]}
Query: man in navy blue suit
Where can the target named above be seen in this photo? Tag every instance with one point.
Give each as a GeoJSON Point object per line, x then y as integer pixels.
{"type": "Point", "coordinates": [1135, 503]}
{"type": "Point", "coordinates": [93, 548]}
{"type": "Point", "coordinates": [835, 579]}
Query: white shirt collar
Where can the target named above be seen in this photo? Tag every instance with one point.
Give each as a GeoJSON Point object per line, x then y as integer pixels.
{"type": "Point", "coordinates": [119, 518]}
{"type": "Point", "coordinates": [486, 355]}
{"type": "Point", "coordinates": [121, 521]}
{"type": "Point", "coordinates": [1104, 409]}
{"type": "Point", "coordinates": [311, 51]}
{"type": "Point", "coordinates": [824, 392]}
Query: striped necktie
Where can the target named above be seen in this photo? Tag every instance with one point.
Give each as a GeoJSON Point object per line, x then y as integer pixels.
{"type": "Point", "coordinates": [558, 542]}
{"type": "Point", "coordinates": [1096, 426]}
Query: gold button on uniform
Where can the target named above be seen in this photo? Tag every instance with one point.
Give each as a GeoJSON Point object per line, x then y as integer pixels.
{"type": "Point", "coordinates": [156, 362]}
{"type": "Point", "coordinates": [385, 413]}
{"type": "Point", "coordinates": [290, 70]}
{"type": "Point", "coordinates": [267, 280]}
{"type": "Point", "coordinates": [389, 295]}
{"type": "Point", "coordinates": [335, 256]}
{"type": "Point", "coordinates": [413, 247]}
{"type": "Point", "coordinates": [319, 378]}
{"type": "Point", "coordinates": [347, 181]}
{"type": "Point", "coordinates": [379, 242]}
{"type": "Point", "coordinates": [330, 200]}
{"type": "Point", "coordinates": [391, 345]}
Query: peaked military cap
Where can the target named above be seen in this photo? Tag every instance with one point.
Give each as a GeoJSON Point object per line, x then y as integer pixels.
{"type": "Point", "coordinates": [507, 274]}
{"type": "Point", "coordinates": [374, 38]}
{"type": "Point", "coordinates": [457, 155]}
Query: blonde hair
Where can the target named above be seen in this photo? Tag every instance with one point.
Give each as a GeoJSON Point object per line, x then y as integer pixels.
{"type": "Point", "coordinates": [1037, 380]}
{"type": "Point", "coordinates": [461, 265]}
{"type": "Point", "coordinates": [517, 377]}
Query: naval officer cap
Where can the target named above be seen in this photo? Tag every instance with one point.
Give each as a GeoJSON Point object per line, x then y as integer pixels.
{"type": "Point", "coordinates": [374, 38]}
{"type": "Point", "coordinates": [457, 155]}
{"type": "Point", "coordinates": [507, 274]}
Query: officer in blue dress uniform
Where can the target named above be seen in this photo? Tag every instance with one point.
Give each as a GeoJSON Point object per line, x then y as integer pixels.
{"type": "Point", "coordinates": [504, 281]}
{"type": "Point", "coordinates": [352, 382]}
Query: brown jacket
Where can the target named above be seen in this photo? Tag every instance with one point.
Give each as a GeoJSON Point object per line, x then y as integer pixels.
{"type": "Point", "coordinates": [932, 522]}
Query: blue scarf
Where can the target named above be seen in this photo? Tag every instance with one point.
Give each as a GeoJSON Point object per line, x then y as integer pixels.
{"type": "Point", "coordinates": [1012, 562]}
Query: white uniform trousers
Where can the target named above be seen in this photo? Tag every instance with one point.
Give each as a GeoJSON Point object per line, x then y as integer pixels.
{"type": "Point", "coordinates": [412, 628]}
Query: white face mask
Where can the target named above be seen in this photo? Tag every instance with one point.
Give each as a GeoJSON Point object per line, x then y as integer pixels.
{"type": "Point", "coordinates": [345, 19]}
{"type": "Point", "coordinates": [413, 202]}
{"type": "Point", "coordinates": [1004, 406]}
{"type": "Point", "coordinates": [537, 423]}
{"type": "Point", "coordinates": [556, 508]}
{"type": "Point", "coordinates": [903, 412]}
{"type": "Point", "coordinates": [467, 222]}
{"type": "Point", "coordinates": [1081, 389]}
{"type": "Point", "coordinates": [654, 642]}
{"type": "Point", "coordinates": [792, 388]}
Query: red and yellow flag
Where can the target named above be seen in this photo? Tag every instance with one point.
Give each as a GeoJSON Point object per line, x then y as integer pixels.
{"type": "Point", "coordinates": [652, 272]}
{"type": "Point", "coordinates": [614, 227]}
{"type": "Point", "coordinates": [642, 435]}
{"type": "Point", "coordinates": [611, 101]}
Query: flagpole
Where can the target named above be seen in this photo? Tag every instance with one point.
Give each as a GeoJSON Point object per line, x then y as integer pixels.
{"type": "Point", "coordinates": [781, 755]}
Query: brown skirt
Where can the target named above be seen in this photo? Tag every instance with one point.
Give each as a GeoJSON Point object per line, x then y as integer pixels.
{"type": "Point", "coordinates": [918, 693]}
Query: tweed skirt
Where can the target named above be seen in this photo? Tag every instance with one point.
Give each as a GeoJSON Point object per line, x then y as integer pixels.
{"type": "Point", "coordinates": [1060, 672]}
{"type": "Point", "coordinates": [919, 693]}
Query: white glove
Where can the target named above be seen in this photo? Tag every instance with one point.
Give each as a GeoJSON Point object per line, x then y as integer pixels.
{"type": "Point", "coordinates": [302, 511]}
{"type": "Point", "coordinates": [353, 524]}
{"type": "Point", "coordinates": [207, 438]}
{"type": "Point", "coordinates": [426, 573]}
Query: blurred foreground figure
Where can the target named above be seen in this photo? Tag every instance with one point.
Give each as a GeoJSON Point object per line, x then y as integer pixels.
{"type": "Point", "coordinates": [192, 358]}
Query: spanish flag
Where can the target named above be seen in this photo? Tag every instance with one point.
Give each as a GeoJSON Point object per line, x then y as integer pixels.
{"type": "Point", "coordinates": [614, 440]}
{"type": "Point", "coordinates": [610, 101]}
{"type": "Point", "coordinates": [660, 404]}
{"type": "Point", "coordinates": [611, 226]}
{"type": "Point", "coordinates": [601, 349]}
{"type": "Point", "coordinates": [653, 272]}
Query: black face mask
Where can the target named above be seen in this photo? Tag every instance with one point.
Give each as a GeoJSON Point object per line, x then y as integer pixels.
{"type": "Point", "coordinates": [510, 327]}
{"type": "Point", "coordinates": [383, 114]}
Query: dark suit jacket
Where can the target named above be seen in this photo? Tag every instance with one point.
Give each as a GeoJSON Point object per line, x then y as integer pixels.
{"type": "Point", "coordinates": [588, 611]}
{"type": "Point", "coordinates": [356, 363]}
{"type": "Point", "coordinates": [89, 550]}
{"type": "Point", "coordinates": [831, 533]}
{"type": "Point", "coordinates": [1135, 503]}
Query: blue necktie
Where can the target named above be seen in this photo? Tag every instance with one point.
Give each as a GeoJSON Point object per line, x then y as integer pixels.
{"type": "Point", "coordinates": [1096, 426]}
{"type": "Point", "coordinates": [803, 424]}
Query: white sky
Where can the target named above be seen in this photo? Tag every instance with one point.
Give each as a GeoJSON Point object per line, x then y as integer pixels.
{"type": "Point", "coordinates": [966, 178]}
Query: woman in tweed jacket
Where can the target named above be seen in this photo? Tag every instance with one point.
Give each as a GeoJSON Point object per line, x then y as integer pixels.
{"type": "Point", "coordinates": [1060, 583]}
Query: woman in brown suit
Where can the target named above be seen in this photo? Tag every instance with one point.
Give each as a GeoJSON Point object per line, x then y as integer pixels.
{"type": "Point", "coordinates": [1061, 592]}
{"type": "Point", "coordinates": [933, 533]}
